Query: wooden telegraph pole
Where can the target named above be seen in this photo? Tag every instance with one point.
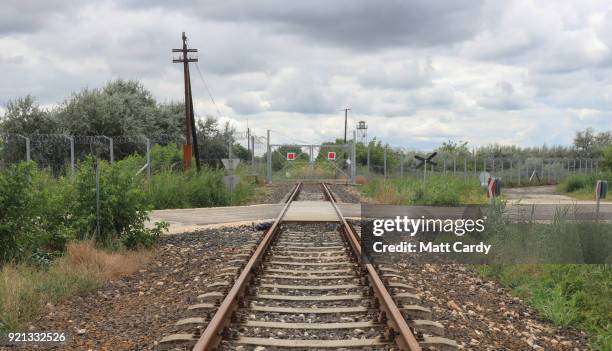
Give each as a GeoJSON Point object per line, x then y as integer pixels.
{"type": "Point", "coordinates": [190, 127]}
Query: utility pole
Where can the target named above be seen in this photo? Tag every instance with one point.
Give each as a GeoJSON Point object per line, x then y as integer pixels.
{"type": "Point", "coordinates": [346, 110]}
{"type": "Point", "coordinates": [190, 130]}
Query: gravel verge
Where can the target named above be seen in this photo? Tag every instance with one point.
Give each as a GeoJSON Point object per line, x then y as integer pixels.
{"type": "Point", "coordinates": [135, 312]}
{"type": "Point", "coordinates": [482, 315]}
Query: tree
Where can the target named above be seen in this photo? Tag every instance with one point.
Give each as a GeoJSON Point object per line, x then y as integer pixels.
{"type": "Point", "coordinates": [590, 144]}
{"type": "Point", "coordinates": [607, 158]}
{"type": "Point", "coordinates": [25, 117]}
{"type": "Point", "coordinates": [454, 147]}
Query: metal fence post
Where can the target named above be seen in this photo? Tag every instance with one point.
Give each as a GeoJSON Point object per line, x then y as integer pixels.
{"type": "Point", "coordinates": [97, 197]}
{"type": "Point", "coordinates": [71, 153]}
{"type": "Point", "coordinates": [252, 151]}
{"type": "Point", "coordinates": [465, 168]}
{"type": "Point", "coordinates": [112, 151]}
{"type": "Point", "coordinates": [354, 163]}
{"type": "Point", "coordinates": [368, 161]}
{"type": "Point", "coordinates": [269, 159]}
{"type": "Point", "coordinates": [511, 175]}
{"type": "Point", "coordinates": [402, 165]}
{"type": "Point", "coordinates": [385, 162]}
{"type": "Point", "coordinates": [148, 157]}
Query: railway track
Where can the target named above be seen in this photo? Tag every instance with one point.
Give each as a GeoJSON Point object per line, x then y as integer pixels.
{"type": "Point", "coordinates": [302, 287]}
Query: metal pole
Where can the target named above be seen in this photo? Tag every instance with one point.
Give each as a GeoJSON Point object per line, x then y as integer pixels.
{"type": "Point", "coordinates": [148, 157]}
{"type": "Point", "coordinates": [269, 159]}
{"type": "Point", "coordinates": [252, 151]}
{"type": "Point", "coordinates": [368, 158]}
{"type": "Point", "coordinates": [345, 122]}
{"type": "Point", "coordinates": [402, 165]}
{"type": "Point", "coordinates": [311, 160]}
{"type": "Point", "coordinates": [354, 163]}
{"type": "Point", "coordinates": [465, 168]}
{"type": "Point", "coordinates": [511, 175]}
{"type": "Point", "coordinates": [71, 153]}
{"type": "Point", "coordinates": [518, 168]}
{"type": "Point", "coordinates": [385, 162]}
{"type": "Point", "coordinates": [27, 141]}
{"type": "Point", "coordinates": [112, 151]}
{"type": "Point", "coordinates": [28, 149]}
{"type": "Point", "coordinates": [97, 197]}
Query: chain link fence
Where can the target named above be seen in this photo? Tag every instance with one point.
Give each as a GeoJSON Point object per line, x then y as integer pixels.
{"type": "Point", "coordinates": [512, 170]}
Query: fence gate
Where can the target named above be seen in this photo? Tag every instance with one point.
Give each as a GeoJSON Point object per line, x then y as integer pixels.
{"type": "Point", "coordinates": [290, 162]}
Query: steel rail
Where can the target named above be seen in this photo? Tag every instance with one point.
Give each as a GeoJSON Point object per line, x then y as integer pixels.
{"type": "Point", "coordinates": [212, 335]}
{"type": "Point", "coordinates": [394, 318]}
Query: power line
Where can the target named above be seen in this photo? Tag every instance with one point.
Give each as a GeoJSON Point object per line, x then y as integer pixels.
{"type": "Point", "coordinates": [208, 90]}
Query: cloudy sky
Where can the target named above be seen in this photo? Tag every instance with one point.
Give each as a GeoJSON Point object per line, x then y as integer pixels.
{"type": "Point", "coordinates": [419, 72]}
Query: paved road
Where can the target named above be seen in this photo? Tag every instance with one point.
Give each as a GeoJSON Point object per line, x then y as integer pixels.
{"type": "Point", "coordinates": [184, 220]}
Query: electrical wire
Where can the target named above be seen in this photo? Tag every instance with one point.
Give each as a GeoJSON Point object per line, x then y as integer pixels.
{"type": "Point", "coordinates": [208, 90]}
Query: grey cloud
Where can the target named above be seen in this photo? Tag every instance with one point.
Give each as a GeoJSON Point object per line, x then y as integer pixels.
{"type": "Point", "coordinates": [25, 16]}
{"type": "Point", "coordinates": [356, 24]}
{"type": "Point", "coordinates": [502, 97]}
{"type": "Point", "coordinates": [407, 75]}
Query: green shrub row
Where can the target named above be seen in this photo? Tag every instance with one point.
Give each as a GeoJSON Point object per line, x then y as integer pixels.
{"type": "Point", "coordinates": [40, 214]}
{"type": "Point", "coordinates": [583, 184]}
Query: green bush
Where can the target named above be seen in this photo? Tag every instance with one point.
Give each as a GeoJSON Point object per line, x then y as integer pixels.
{"type": "Point", "coordinates": [607, 159]}
{"type": "Point", "coordinates": [124, 203]}
{"type": "Point", "coordinates": [41, 214]}
{"type": "Point", "coordinates": [18, 225]}
{"type": "Point", "coordinates": [164, 158]}
{"type": "Point", "coordinates": [573, 183]}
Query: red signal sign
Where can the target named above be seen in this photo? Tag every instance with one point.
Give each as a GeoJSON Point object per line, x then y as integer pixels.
{"type": "Point", "coordinates": [331, 155]}
{"type": "Point", "coordinates": [290, 156]}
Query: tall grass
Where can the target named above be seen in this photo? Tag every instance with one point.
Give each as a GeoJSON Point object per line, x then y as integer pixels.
{"type": "Point", "coordinates": [583, 186]}
{"type": "Point", "coordinates": [25, 290]}
{"type": "Point", "coordinates": [168, 189]}
{"type": "Point", "coordinates": [435, 190]}
{"type": "Point", "coordinates": [568, 295]}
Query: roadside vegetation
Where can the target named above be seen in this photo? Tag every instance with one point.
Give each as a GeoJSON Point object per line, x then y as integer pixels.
{"type": "Point", "coordinates": [26, 289]}
{"type": "Point", "coordinates": [568, 295]}
{"type": "Point", "coordinates": [434, 190]}
{"type": "Point", "coordinates": [582, 187]}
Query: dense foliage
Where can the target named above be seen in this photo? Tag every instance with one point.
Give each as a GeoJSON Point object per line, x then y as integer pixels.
{"type": "Point", "coordinates": [120, 108]}
{"type": "Point", "coordinates": [41, 213]}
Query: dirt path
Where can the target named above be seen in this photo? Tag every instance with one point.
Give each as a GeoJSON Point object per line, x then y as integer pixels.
{"type": "Point", "coordinates": [544, 194]}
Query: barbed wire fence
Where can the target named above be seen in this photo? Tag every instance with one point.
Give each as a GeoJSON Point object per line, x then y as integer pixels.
{"type": "Point", "coordinates": [512, 170]}
{"type": "Point", "coordinates": [60, 153]}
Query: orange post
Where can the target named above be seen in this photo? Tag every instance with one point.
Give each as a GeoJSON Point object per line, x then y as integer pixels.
{"type": "Point", "coordinates": [186, 157]}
